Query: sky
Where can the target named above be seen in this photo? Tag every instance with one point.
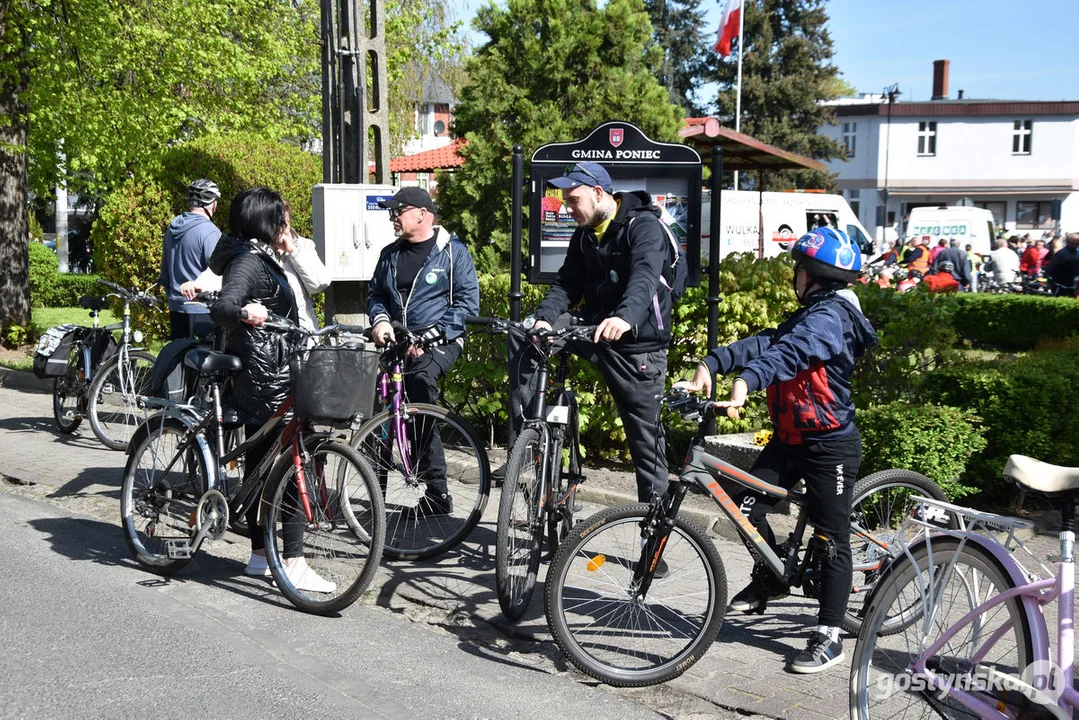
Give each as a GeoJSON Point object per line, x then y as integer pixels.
{"type": "Point", "coordinates": [999, 49]}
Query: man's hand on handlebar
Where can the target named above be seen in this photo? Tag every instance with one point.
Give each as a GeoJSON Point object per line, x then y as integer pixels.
{"type": "Point", "coordinates": [541, 328]}
{"type": "Point", "coordinates": [383, 334]}
{"type": "Point", "coordinates": [611, 329]}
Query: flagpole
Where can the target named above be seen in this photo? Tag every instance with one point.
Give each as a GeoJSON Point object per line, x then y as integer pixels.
{"type": "Point", "coordinates": [738, 102]}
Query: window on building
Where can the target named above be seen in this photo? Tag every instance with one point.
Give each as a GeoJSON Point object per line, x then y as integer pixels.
{"type": "Point", "coordinates": [1031, 215]}
{"type": "Point", "coordinates": [927, 138]}
{"type": "Point", "coordinates": [854, 199]}
{"type": "Point", "coordinates": [997, 208]}
{"type": "Point", "coordinates": [850, 131]}
{"type": "Point", "coordinates": [423, 118]}
{"type": "Point", "coordinates": [1021, 135]}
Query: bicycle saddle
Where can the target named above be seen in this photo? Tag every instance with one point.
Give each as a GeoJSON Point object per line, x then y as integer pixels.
{"type": "Point", "coordinates": [1041, 476]}
{"type": "Point", "coordinates": [208, 362]}
{"type": "Point", "coordinates": [93, 303]}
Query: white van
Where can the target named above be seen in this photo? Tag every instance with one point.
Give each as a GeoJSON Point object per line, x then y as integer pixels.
{"type": "Point", "coordinates": [785, 217]}
{"type": "Point", "coordinates": [969, 225]}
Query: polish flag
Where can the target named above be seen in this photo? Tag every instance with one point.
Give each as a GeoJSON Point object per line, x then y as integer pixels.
{"type": "Point", "coordinates": [728, 27]}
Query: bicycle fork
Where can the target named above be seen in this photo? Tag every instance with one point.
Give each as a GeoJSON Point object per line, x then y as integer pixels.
{"type": "Point", "coordinates": [655, 531]}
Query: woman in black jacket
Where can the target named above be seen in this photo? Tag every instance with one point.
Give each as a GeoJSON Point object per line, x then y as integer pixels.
{"type": "Point", "coordinates": [253, 286]}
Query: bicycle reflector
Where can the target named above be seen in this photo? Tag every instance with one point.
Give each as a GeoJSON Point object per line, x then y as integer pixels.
{"type": "Point", "coordinates": [596, 563]}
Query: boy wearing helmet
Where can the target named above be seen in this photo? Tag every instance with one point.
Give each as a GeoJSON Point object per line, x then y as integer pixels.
{"type": "Point", "coordinates": [189, 241]}
{"type": "Point", "coordinates": [805, 364]}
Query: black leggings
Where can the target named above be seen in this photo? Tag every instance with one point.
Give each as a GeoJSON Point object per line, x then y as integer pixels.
{"type": "Point", "coordinates": [830, 469]}
{"type": "Point", "coordinates": [294, 515]}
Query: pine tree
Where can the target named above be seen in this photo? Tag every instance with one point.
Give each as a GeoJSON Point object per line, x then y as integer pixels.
{"type": "Point", "coordinates": [550, 71]}
{"type": "Point", "coordinates": [787, 71]}
{"type": "Point", "coordinates": [678, 28]}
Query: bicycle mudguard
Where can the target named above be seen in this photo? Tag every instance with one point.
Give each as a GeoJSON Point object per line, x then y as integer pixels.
{"type": "Point", "coordinates": [182, 421]}
{"type": "Point", "coordinates": [1006, 563]}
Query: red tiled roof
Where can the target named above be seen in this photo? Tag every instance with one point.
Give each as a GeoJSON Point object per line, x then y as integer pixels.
{"type": "Point", "coordinates": [440, 158]}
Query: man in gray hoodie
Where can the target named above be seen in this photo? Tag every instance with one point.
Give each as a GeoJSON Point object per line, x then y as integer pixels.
{"type": "Point", "coordinates": [189, 241]}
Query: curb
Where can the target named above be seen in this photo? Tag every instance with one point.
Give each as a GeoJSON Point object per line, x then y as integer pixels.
{"type": "Point", "coordinates": [24, 381]}
{"type": "Point", "coordinates": [712, 522]}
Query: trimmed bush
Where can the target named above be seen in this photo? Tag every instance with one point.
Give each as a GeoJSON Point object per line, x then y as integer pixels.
{"type": "Point", "coordinates": [1026, 405]}
{"type": "Point", "coordinates": [1014, 322]}
{"type": "Point", "coordinates": [44, 275]}
{"type": "Point", "coordinates": [935, 440]}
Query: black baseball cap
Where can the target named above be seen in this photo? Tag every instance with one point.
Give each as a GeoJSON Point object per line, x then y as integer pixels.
{"type": "Point", "coordinates": [411, 196]}
{"type": "Point", "coordinates": [583, 173]}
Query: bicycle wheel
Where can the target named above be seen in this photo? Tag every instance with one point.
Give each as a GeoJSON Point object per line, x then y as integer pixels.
{"type": "Point", "coordinates": [519, 538]}
{"type": "Point", "coordinates": [880, 503]}
{"type": "Point", "coordinates": [438, 447]}
{"type": "Point", "coordinates": [114, 412]}
{"type": "Point", "coordinates": [157, 501]}
{"type": "Point", "coordinates": [323, 565]}
{"type": "Point", "coordinates": [602, 624]}
{"type": "Point", "coordinates": [883, 683]}
{"type": "Point", "coordinates": [69, 394]}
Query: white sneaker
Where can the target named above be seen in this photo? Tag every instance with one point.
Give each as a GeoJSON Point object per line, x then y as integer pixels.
{"type": "Point", "coordinates": [303, 577]}
{"type": "Point", "coordinates": [257, 566]}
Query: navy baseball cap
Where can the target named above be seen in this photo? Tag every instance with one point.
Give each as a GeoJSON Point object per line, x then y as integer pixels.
{"type": "Point", "coordinates": [582, 173]}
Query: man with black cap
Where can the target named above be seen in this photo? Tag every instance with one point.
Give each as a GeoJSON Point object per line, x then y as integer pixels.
{"type": "Point", "coordinates": [425, 280]}
{"type": "Point", "coordinates": [615, 269]}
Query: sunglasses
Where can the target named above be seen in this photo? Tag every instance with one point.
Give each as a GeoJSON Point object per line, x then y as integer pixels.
{"type": "Point", "coordinates": [578, 169]}
{"type": "Point", "coordinates": [399, 211]}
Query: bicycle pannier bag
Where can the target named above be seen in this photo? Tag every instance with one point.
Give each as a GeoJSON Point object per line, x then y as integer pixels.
{"type": "Point", "coordinates": [333, 383]}
{"type": "Point", "coordinates": [54, 350]}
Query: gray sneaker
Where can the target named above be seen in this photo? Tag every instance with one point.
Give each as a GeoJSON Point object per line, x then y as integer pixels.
{"type": "Point", "coordinates": [820, 654]}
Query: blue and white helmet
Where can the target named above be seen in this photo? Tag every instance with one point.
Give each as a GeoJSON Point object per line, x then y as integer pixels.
{"type": "Point", "coordinates": [828, 255]}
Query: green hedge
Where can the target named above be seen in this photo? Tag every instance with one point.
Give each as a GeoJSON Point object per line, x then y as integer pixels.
{"type": "Point", "coordinates": [51, 288]}
{"type": "Point", "coordinates": [131, 224]}
{"type": "Point", "coordinates": [1014, 322]}
{"type": "Point", "coordinates": [1027, 406]}
{"type": "Point", "coordinates": [935, 440]}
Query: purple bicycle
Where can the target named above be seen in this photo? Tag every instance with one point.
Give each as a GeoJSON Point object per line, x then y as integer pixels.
{"type": "Point", "coordinates": [956, 627]}
{"type": "Point", "coordinates": [430, 463]}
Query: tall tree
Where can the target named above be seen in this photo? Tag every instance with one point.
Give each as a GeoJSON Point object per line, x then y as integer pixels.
{"type": "Point", "coordinates": [550, 71]}
{"type": "Point", "coordinates": [112, 85]}
{"type": "Point", "coordinates": [787, 71]}
{"type": "Point", "coordinates": [678, 27]}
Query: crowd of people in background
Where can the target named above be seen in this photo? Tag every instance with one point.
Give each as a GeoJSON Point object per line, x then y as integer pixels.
{"type": "Point", "coordinates": [1012, 261]}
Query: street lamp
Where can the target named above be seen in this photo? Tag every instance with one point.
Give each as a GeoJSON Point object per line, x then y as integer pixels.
{"type": "Point", "coordinates": [891, 93]}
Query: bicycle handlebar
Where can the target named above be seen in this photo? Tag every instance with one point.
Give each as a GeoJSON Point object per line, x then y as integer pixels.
{"type": "Point", "coordinates": [689, 406]}
{"type": "Point", "coordinates": [520, 329]}
{"type": "Point", "coordinates": [133, 295]}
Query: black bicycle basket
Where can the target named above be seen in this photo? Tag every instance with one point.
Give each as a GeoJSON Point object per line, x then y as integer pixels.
{"type": "Point", "coordinates": [333, 383]}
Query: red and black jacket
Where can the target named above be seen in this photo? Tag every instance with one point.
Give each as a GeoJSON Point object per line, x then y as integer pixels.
{"type": "Point", "coordinates": [806, 364]}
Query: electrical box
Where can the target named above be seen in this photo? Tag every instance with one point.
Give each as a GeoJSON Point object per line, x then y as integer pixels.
{"type": "Point", "coordinates": [350, 229]}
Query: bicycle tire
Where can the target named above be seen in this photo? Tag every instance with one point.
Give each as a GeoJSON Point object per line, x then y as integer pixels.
{"type": "Point", "coordinates": [156, 507]}
{"type": "Point", "coordinates": [879, 503]}
{"type": "Point", "coordinates": [114, 412]}
{"type": "Point", "coordinates": [881, 685]}
{"type": "Point", "coordinates": [591, 609]}
{"type": "Point", "coordinates": [344, 541]}
{"type": "Point", "coordinates": [69, 393]}
{"type": "Point", "coordinates": [519, 536]}
{"type": "Point", "coordinates": [410, 536]}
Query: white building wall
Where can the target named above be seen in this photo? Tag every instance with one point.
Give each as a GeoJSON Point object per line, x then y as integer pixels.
{"type": "Point", "coordinates": [973, 159]}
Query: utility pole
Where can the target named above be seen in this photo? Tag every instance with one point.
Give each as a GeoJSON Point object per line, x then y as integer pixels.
{"type": "Point", "coordinates": [355, 115]}
{"type": "Point", "coordinates": [891, 93]}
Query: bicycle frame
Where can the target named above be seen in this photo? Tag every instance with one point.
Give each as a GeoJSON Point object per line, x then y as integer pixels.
{"type": "Point", "coordinates": [1033, 595]}
{"type": "Point", "coordinates": [395, 400]}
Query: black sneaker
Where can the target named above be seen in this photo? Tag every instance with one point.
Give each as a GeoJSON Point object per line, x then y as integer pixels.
{"type": "Point", "coordinates": [754, 597]}
{"type": "Point", "coordinates": [820, 654]}
{"type": "Point", "coordinates": [429, 506]}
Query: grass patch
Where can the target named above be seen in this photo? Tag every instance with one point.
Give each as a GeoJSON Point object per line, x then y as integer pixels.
{"type": "Point", "coordinates": [45, 318]}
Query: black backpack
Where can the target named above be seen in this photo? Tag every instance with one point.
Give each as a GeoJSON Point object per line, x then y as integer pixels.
{"type": "Point", "coordinates": [676, 276]}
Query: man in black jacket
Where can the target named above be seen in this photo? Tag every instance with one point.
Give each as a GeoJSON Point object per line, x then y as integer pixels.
{"type": "Point", "coordinates": [612, 270]}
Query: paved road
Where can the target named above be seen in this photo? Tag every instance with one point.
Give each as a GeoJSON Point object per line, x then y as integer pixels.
{"type": "Point", "coordinates": [87, 632]}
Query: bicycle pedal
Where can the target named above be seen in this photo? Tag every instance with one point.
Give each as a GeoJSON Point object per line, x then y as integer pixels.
{"type": "Point", "coordinates": [178, 549]}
